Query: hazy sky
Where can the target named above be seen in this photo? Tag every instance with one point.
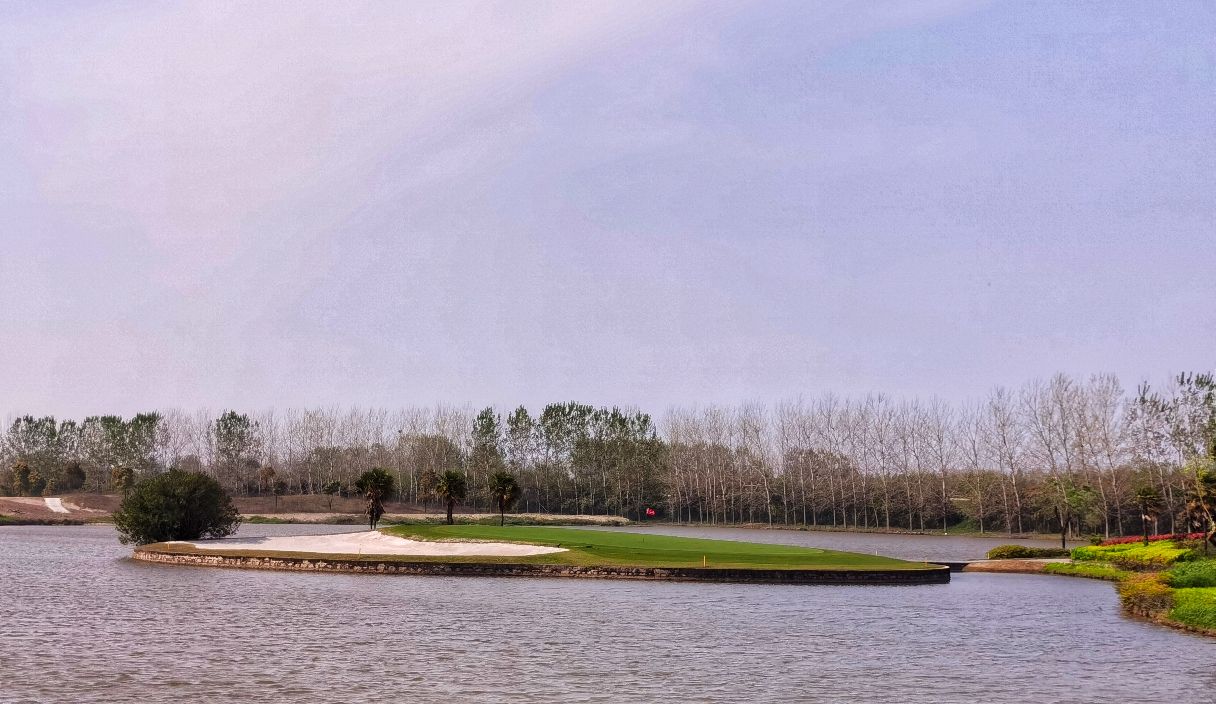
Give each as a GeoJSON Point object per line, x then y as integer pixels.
{"type": "Point", "coordinates": [255, 205]}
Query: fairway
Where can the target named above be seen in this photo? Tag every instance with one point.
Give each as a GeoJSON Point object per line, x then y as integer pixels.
{"type": "Point", "coordinates": [619, 548]}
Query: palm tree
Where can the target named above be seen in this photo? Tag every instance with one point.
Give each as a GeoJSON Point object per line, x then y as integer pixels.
{"type": "Point", "coordinates": [1149, 502]}
{"type": "Point", "coordinates": [375, 484]}
{"type": "Point", "coordinates": [504, 490]}
{"type": "Point", "coordinates": [451, 487]}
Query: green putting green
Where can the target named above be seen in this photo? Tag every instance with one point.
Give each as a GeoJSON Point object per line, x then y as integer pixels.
{"type": "Point", "coordinates": [621, 548]}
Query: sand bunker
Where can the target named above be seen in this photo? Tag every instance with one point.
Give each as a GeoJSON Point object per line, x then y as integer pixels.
{"type": "Point", "coordinates": [371, 543]}
{"type": "Point", "coordinates": [56, 505]}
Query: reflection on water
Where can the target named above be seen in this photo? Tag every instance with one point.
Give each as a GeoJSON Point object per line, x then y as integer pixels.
{"type": "Point", "coordinates": [80, 622]}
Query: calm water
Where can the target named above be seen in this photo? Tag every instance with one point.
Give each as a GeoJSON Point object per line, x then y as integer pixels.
{"type": "Point", "coordinates": [80, 622]}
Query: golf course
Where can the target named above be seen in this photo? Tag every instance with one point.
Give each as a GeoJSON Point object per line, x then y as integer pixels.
{"type": "Point", "coordinates": [480, 550]}
{"type": "Point", "coordinates": [605, 547]}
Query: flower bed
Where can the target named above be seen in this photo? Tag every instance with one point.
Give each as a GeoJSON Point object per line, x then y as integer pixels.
{"type": "Point", "coordinates": [1152, 538]}
{"type": "Point", "coordinates": [1133, 556]}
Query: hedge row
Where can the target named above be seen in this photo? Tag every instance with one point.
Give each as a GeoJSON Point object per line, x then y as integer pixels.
{"type": "Point", "coordinates": [1015, 552]}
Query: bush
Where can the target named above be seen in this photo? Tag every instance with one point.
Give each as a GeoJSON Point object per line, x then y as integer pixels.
{"type": "Point", "coordinates": [175, 505]}
{"type": "Point", "coordinates": [1195, 607]}
{"type": "Point", "coordinates": [1016, 552]}
{"type": "Point", "coordinates": [1188, 575]}
{"type": "Point", "coordinates": [1146, 595]}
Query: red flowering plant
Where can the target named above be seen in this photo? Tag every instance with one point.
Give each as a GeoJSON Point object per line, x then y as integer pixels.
{"type": "Point", "coordinates": [1152, 538]}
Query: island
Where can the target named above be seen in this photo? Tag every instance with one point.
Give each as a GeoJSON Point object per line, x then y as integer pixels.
{"type": "Point", "coordinates": [545, 551]}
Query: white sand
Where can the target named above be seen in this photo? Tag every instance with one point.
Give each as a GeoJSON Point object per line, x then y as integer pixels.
{"type": "Point", "coordinates": [370, 543]}
{"type": "Point", "coordinates": [56, 505]}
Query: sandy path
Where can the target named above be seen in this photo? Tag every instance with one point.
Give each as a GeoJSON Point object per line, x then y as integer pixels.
{"type": "Point", "coordinates": [56, 505]}
{"type": "Point", "coordinates": [371, 543]}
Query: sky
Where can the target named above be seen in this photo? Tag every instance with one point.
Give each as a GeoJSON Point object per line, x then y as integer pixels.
{"type": "Point", "coordinates": [252, 205]}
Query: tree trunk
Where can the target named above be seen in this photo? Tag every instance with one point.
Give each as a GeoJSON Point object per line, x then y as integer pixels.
{"type": "Point", "coordinates": [451, 505]}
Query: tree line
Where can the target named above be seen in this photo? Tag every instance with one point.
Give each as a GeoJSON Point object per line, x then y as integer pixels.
{"type": "Point", "coordinates": [1082, 456]}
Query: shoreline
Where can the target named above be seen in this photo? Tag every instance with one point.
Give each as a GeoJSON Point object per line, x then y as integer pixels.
{"type": "Point", "coordinates": [381, 564]}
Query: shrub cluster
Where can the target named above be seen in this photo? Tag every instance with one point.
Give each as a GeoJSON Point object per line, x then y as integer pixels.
{"type": "Point", "coordinates": [1146, 595]}
{"type": "Point", "coordinates": [1015, 552]}
{"type": "Point", "coordinates": [1189, 575]}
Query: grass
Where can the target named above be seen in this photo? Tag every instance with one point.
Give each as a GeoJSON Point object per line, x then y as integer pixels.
{"type": "Point", "coordinates": [606, 547]}
{"type": "Point", "coordinates": [1195, 608]}
{"type": "Point", "coordinates": [523, 519]}
{"type": "Point", "coordinates": [519, 519]}
{"type": "Point", "coordinates": [1187, 575]}
{"type": "Point", "coordinates": [1092, 570]}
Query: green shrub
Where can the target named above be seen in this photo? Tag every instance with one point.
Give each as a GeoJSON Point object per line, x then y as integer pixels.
{"type": "Point", "coordinates": [1146, 595]}
{"type": "Point", "coordinates": [1195, 607]}
{"type": "Point", "coordinates": [1015, 552]}
{"type": "Point", "coordinates": [1188, 575]}
{"type": "Point", "coordinates": [175, 505]}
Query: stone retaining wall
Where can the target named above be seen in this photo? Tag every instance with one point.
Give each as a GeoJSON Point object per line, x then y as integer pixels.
{"type": "Point", "coordinates": [940, 575]}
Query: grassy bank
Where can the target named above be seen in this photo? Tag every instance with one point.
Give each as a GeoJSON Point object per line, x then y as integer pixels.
{"type": "Point", "coordinates": [599, 547]}
{"type": "Point", "coordinates": [1168, 581]}
{"type": "Point", "coordinates": [22, 521]}
{"type": "Point", "coordinates": [1088, 570]}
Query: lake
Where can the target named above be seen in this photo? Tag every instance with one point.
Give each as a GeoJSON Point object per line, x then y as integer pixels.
{"type": "Point", "coordinates": [79, 621]}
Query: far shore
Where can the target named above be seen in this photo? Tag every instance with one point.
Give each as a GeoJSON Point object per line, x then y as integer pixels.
{"type": "Point", "coordinates": [97, 508]}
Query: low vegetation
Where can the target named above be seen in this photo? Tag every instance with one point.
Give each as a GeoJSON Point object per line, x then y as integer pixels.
{"type": "Point", "coordinates": [1190, 575]}
{"type": "Point", "coordinates": [23, 521]}
{"type": "Point", "coordinates": [1136, 556]}
{"type": "Point", "coordinates": [1128, 539]}
{"type": "Point", "coordinates": [1017, 552]}
{"type": "Point", "coordinates": [1146, 595]}
{"type": "Point", "coordinates": [1195, 608]}
{"type": "Point", "coordinates": [1169, 581]}
{"type": "Point", "coordinates": [1091, 570]}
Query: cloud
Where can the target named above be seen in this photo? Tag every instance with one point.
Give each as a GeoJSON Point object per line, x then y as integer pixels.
{"type": "Point", "coordinates": [202, 121]}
